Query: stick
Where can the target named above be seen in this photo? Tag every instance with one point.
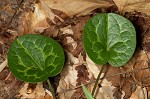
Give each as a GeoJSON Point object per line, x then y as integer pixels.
{"type": "Point", "coordinates": [3, 65]}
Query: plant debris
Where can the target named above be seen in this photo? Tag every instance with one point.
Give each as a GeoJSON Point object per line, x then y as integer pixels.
{"type": "Point", "coordinates": [64, 21]}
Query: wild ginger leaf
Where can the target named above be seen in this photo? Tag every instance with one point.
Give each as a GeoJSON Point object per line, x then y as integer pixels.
{"type": "Point", "coordinates": [34, 58]}
{"type": "Point", "coordinates": [109, 38]}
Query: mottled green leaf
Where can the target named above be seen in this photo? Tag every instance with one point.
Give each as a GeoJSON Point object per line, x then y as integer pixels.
{"type": "Point", "coordinates": [34, 58]}
{"type": "Point", "coordinates": [109, 38]}
{"type": "Point", "coordinates": [87, 93]}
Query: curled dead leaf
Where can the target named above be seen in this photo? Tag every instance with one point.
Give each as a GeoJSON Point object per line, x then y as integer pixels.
{"type": "Point", "coordinates": [76, 7]}
{"type": "Point", "coordinates": [133, 5]}
{"type": "Point", "coordinates": [36, 20]}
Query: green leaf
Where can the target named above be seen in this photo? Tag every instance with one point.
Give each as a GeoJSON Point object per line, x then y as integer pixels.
{"type": "Point", "coordinates": [109, 38]}
{"type": "Point", "coordinates": [87, 93]}
{"type": "Point", "coordinates": [34, 58]}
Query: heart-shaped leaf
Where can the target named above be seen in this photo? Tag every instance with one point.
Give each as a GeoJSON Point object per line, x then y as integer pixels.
{"type": "Point", "coordinates": [34, 58]}
{"type": "Point", "coordinates": [109, 38]}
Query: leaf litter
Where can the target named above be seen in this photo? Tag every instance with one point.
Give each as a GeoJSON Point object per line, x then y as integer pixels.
{"type": "Point", "coordinates": [53, 18]}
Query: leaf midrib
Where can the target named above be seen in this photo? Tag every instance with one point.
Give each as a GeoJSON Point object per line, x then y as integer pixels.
{"type": "Point", "coordinates": [109, 47]}
{"type": "Point", "coordinates": [28, 53]}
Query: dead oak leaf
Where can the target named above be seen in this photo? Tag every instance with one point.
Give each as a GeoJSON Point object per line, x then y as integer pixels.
{"type": "Point", "coordinates": [82, 77]}
{"type": "Point", "coordinates": [73, 75]}
{"type": "Point", "coordinates": [68, 77]}
{"type": "Point", "coordinates": [37, 20]}
{"type": "Point", "coordinates": [26, 91]}
{"type": "Point", "coordinates": [133, 5]}
{"type": "Point", "coordinates": [32, 21]}
{"type": "Point", "coordinates": [82, 74]}
{"type": "Point", "coordinates": [76, 7]}
{"type": "Point", "coordinates": [93, 67]}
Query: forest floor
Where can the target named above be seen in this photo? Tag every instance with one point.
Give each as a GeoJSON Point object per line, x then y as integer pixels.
{"type": "Point", "coordinates": [64, 20]}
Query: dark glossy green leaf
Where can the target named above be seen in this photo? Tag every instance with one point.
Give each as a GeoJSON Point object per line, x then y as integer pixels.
{"type": "Point", "coordinates": [34, 58]}
{"type": "Point", "coordinates": [87, 93]}
{"type": "Point", "coordinates": [109, 38]}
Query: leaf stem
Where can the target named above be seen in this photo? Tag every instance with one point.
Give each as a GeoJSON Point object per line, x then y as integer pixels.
{"type": "Point", "coordinates": [51, 89]}
{"type": "Point", "coordinates": [97, 79]}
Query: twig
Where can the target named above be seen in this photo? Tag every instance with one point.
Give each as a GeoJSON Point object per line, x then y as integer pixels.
{"type": "Point", "coordinates": [135, 70]}
{"type": "Point", "coordinates": [96, 82]}
{"type": "Point", "coordinates": [48, 92]}
{"type": "Point", "coordinates": [3, 65]}
{"type": "Point", "coordinates": [14, 14]}
{"type": "Point", "coordinates": [105, 70]}
{"type": "Point", "coordinates": [5, 7]}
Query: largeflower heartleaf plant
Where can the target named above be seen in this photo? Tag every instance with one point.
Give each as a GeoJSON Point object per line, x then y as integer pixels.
{"type": "Point", "coordinates": [34, 58]}
{"type": "Point", "coordinates": [109, 38]}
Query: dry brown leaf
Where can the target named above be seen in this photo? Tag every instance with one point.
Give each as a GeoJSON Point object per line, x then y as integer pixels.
{"type": "Point", "coordinates": [141, 93]}
{"type": "Point", "coordinates": [76, 7]}
{"type": "Point", "coordinates": [75, 71]}
{"type": "Point", "coordinates": [37, 20]}
{"type": "Point", "coordinates": [106, 90]}
{"type": "Point", "coordinates": [130, 65]}
{"type": "Point", "coordinates": [9, 85]}
{"type": "Point", "coordinates": [37, 93]}
{"type": "Point", "coordinates": [142, 62]}
{"type": "Point", "coordinates": [48, 95]}
{"type": "Point", "coordinates": [67, 30]}
{"type": "Point", "coordinates": [108, 85]}
{"type": "Point", "coordinates": [133, 5]}
{"type": "Point", "coordinates": [142, 23]}
{"type": "Point", "coordinates": [33, 21]}
{"type": "Point", "coordinates": [68, 78]}
{"type": "Point", "coordinates": [134, 96]}
{"type": "Point", "coordinates": [116, 82]}
{"type": "Point", "coordinates": [93, 67]}
{"type": "Point", "coordinates": [3, 65]}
